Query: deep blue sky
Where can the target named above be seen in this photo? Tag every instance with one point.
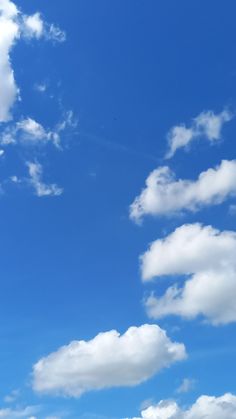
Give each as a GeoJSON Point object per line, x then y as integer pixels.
{"type": "Point", "coordinates": [129, 70]}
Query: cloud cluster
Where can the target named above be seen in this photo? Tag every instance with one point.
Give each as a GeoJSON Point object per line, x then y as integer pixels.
{"type": "Point", "coordinates": [13, 26]}
{"type": "Point", "coordinates": [207, 124]}
{"type": "Point", "coordinates": [206, 258]}
{"type": "Point", "coordinates": [223, 407]}
{"type": "Point", "coordinates": [108, 360]}
{"type": "Point", "coordinates": [30, 132]}
{"type": "Point", "coordinates": [165, 195]}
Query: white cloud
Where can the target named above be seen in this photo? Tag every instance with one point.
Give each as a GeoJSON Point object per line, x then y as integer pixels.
{"type": "Point", "coordinates": [207, 257]}
{"type": "Point", "coordinates": [28, 131]}
{"type": "Point", "coordinates": [164, 195]}
{"type": "Point", "coordinates": [34, 25]}
{"type": "Point", "coordinates": [9, 32]}
{"type": "Point", "coordinates": [35, 180]}
{"type": "Point", "coordinates": [223, 407]}
{"type": "Point", "coordinates": [13, 26]}
{"type": "Point", "coordinates": [207, 124]}
{"type": "Point", "coordinates": [186, 385]}
{"type": "Point", "coordinates": [108, 360]}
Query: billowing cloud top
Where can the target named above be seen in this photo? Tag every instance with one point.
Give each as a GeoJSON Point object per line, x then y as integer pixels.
{"type": "Point", "coordinates": [164, 195]}
{"type": "Point", "coordinates": [108, 360]}
{"type": "Point", "coordinates": [223, 407]}
{"type": "Point", "coordinates": [207, 257]}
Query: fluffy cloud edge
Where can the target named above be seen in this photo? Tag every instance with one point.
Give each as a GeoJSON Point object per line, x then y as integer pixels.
{"type": "Point", "coordinates": [211, 407]}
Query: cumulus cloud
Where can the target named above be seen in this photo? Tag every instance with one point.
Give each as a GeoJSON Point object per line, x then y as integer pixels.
{"type": "Point", "coordinates": [207, 124]}
{"type": "Point", "coordinates": [165, 195]}
{"type": "Point", "coordinates": [206, 258]}
{"type": "Point", "coordinates": [108, 360]}
{"type": "Point", "coordinates": [35, 180]}
{"type": "Point", "coordinates": [13, 26]}
{"type": "Point", "coordinates": [223, 407]}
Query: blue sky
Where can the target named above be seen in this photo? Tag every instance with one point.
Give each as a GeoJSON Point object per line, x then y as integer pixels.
{"type": "Point", "coordinates": [93, 96]}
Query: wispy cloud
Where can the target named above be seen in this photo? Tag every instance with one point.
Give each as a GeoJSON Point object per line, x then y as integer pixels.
{"type": "Point", "coordinates": [207, 125]}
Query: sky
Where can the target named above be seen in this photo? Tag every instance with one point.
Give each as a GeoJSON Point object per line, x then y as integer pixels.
{"type": "Point", "coordinates": [117, 195]}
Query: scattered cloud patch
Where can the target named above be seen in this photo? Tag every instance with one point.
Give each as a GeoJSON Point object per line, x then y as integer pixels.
{"type": "Point", "coordinates": [30, 132]}
{"type": "Point", "coordinates": [187, 385]}
{"type": "Point", "coordinates": [108, 360]}
{"type": "Point", "coordinates": [207, 124]}
{"type": "Point", "coordinates": [205, 256]}
{"type": "Point", "coordinates": [166, 195]}
{"type": "Point", "coordinates": [205, 407]}
{"type": "Point", "coordinates": [40, 87]}
{"type": "Point", "coordinates": [35, 180]}
{"type": "Point", "coordinates": [35, 27]}
{"type": "Point", "coordinates": [13, 26]}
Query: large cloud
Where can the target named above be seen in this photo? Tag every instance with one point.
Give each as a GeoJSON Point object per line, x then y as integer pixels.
{"type": "Point", "coordinates": [205, 407]}
{"type": "Point", "coordinates": [164, 195]}
{"type": "Point", "coordinates": [13, 25]}
{"type": "Point", "coordinates": [207, 124]}
{"type": "Point", "coordinates": [108, 360]}
{"type": "Point", "coordinates": [207, 257]}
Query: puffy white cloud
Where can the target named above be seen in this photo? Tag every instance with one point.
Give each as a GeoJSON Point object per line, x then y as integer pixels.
{"type": "Point", "coordinates": [34, 25]}
{"type": "Point", "coordinates": [223, 407]}
{"type": "Point", "coordinates": [13, 26]}
{"type": "Point", "coordinates": [9, 32]}
{"type": "Point", "coordinates": [207, 124]}
{"type": "Point", "coordinates": [165, 195]}
{"type": "Point", "coordinates": [35, 180]}
{"type": "Point", "coordinates": [207, 257]}
{"type": "Point", "coordinates": [108, 360]}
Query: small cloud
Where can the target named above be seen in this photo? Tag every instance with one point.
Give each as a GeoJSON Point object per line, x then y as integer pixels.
{"type": "Point", "coordinates": [35, 27]}
{"type": "Point", "coordinates": [187, 385]}
{"type": "Point", "coordinates": [35, 180]}
{"type": "Point", "coordinates": [207, 124]}
{"type": "Point", "coordinates": [40, 87]}
{"type": "Point", "coordinates": [28, 131]}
